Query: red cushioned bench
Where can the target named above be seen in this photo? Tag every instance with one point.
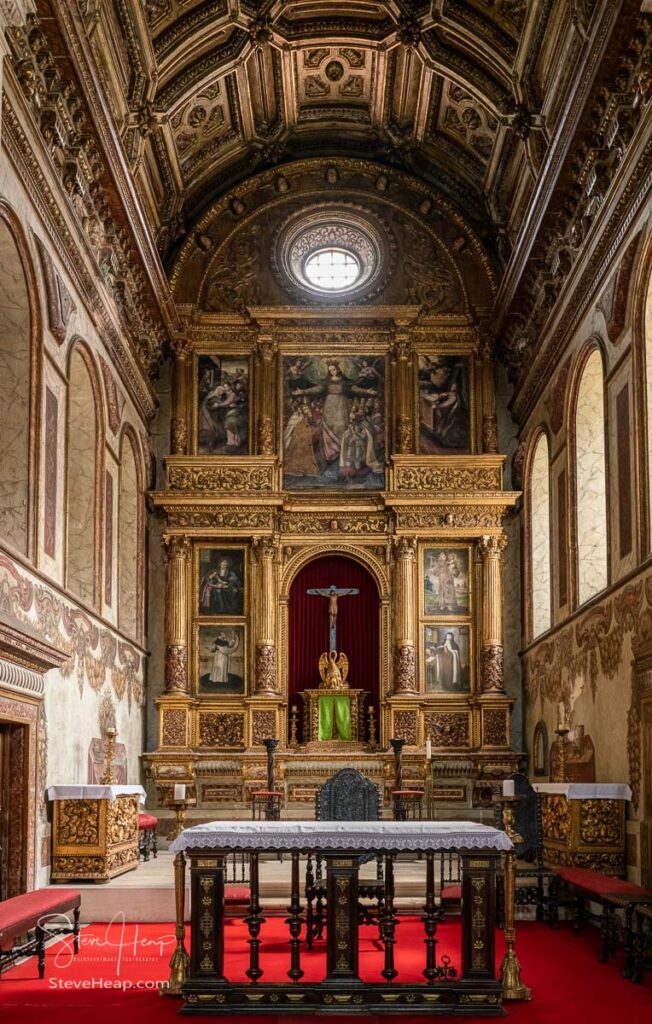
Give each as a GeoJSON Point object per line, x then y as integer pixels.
{"type": "Point", "coordinates": [586, 885]}
{"type": "Point", "coordinates": [41, 912]}
{"type": "Point", "coordinates": [147, 836]}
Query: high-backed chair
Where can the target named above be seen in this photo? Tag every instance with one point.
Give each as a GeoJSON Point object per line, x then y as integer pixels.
{"type": "Point", "coordinates": [527, 822]}
{"type": "Point", "coordinates": [347, 796]}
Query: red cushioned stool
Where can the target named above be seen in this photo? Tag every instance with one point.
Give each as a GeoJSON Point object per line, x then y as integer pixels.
{"type": "Point", "coordinates": [585, 886]}
{"type": "Point", "coordinates": [41, 912]}
{"type": "Point", "coordinates": [147, 836]}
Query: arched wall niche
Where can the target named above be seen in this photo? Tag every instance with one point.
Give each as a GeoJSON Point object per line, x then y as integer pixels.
{"type": "Point", "coordinates": [20, 363]}
{"type": "Point", "coordinates": [84, 475]}
{"type": "Point", "coordinates": [130, 535]}
{"type": "Point", "coordinates": [539, 563]}
{"type": "Point", "coordinates": [642, 375]}
{"type": "Point", "coordinates": [589, 473]}
{"type": "Point", "coordinates": [224, 265]}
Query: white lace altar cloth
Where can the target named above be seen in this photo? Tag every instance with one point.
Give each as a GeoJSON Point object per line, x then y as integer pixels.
{"type": "Point", "coordinates": [95, 792]}
{"type": "Point", "coordinates": [586, 790]}
{"type": "Point", "coordinates": [386, 836]}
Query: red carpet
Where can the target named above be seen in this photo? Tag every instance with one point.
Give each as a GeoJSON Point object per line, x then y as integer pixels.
{"type": "Point", "coordinates": [113, 979]}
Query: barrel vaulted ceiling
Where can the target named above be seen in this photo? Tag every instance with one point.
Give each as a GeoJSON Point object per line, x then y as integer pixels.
{"type": "Point", "coordinates": [209, 92]}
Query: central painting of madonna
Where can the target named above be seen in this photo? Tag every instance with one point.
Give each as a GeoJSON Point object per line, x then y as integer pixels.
{"type": "Point", "coordinates": [334, 423]}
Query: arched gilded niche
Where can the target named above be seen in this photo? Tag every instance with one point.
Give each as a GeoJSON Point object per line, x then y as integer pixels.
{"type": "Point", "coordinates": [19, 340]}
{"type": "Point", "coordinates": [129, 538]}
{"type": "Point", "coordinates": [84, 447]}
{"type": "Point", "coordinates": [241, 252]}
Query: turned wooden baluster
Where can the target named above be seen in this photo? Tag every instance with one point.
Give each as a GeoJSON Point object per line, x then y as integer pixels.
{"type": "Point", "coordinates": [430, 921]}
{"type": "Point", "coordinates": [295, 922]}
{"type": "Point", "coordinates": [389, 972]}
{"type": "Point", "coordinates": [255, 921]}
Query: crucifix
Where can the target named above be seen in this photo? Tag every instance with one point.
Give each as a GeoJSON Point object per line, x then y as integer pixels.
{"type": "Point", "coordinates": [332, 593]}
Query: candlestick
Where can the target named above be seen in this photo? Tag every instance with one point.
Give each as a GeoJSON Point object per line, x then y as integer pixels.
{"type": "Point", "coordinates": [107, 778]}
{"type": "Point", "coordinates": [510, 970]}
{"type": "Point", "coordinates": [294, 715]}
{"type": "Point", "coordinates": [562, 732]}
{"type": "Point", "coordinates": [180, 962]}
{"type": "Point", "coordinates": [179, 808]}
{"type": "Point", "coordinates": [372, 728]}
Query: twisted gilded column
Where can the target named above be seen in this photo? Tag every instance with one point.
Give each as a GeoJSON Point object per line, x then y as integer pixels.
{"type": "Point", "coordinates": [405, 662]}
{"type": "Point", "coordinates": [179, 423]}
{"type": "Point", "coordinates": [491, 655]}
{"type": "Point", "coordinates": [177, 550]}
{"type": "Point", "coordinates": [489, 422]}
{"type": "Point", "coordinates": [265, 426]}
{"type": "Point", "coordinates": [403, 388]}
{"type": "Point", "coordinates": [265, 667]}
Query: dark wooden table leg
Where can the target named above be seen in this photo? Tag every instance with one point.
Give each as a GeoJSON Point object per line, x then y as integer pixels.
{"type": "Point", "coordinates": [294, 922]}
{"type": "Point", "coordinates": [341, 920]}
{"type": "Point", "coordinates": [207, 918]}
{"type": "Point", "coordinates": [389, 972]}
{"type": "Point", "coordinates": [430, 921]}
{"type": "Point", "coordinates": [478, 916]}
{"type": "Point", "coordinates": [254, 920]}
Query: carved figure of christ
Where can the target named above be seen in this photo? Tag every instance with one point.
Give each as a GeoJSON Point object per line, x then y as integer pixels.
{"type": "Point", "coordinates": [333, 594]}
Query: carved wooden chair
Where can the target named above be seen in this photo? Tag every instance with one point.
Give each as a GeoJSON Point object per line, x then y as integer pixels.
{"type": "Point", "coordinates": [347, 796]}
{"type": "Point", "coordinates": [534, 884]}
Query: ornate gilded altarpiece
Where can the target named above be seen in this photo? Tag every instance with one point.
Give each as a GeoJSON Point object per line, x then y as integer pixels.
{"type": "Point", "coordinates": [260, 365]}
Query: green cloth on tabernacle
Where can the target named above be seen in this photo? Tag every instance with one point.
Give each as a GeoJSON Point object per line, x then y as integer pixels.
{"type": "Point", "coordinates": [334, 706]}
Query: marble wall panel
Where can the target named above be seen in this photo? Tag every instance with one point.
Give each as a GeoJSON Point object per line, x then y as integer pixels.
{"type": "Point", "coordinates": [14, 394]}
{"type": "Point", "coordinates": [591, 483]}
{"type": "Point", "coordinates": [81, 496]}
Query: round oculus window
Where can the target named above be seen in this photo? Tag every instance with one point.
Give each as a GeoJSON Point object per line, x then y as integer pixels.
{"type": "Point", "coordinates": [335, 252]}
{"type": "Point", "coordinates": [332, 270]}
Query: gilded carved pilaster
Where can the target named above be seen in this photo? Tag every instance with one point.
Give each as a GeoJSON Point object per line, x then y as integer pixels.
{"type": "Point", "coordinates": [405, 674]}
{"type": "Point", "coordinates": [179, 425]}
{"type": "Point", "coordinates": [491, 655]}
{"type": "Point", "coordinates": [176, 615]}
{"type": "Point", "coordinates": [489, 423]}
{"type": "Point", "coordinates": [404, 417]}
{"type": "Point", "coordinates": [265, 666]}
{"type": "Point", "coordinates": [265, 420]}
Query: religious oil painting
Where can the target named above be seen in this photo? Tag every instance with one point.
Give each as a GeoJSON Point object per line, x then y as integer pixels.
{"type": "Point", "coordinates": [334, 423]}
{"type": "Point", "coordinates": [446, 659]}
{"type": "Point", "coordinates": [446, 581]}
{"type": "Point", "coordinates": [444, 405]}
{"type": "Point", "coordinates": [223, 405]}
{"type": "Point", "coordinates": [221, 581]}
{"type": "Point", "coordinates": [221, 659]}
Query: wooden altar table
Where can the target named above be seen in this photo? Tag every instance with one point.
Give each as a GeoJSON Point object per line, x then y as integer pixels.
{"type": "Point", "coordinates": [341, 844]}
{"type": "Point", "coordinates": [583, 824]}
{"type": "Point", "coordinates": [94, 831]}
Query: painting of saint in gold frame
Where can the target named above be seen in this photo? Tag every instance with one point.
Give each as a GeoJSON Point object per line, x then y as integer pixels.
{"type": "Point", "coordinates": [221, 660]}
{"type": "Point", "coordinates": [334, 422]}
{"type": "Point", "coordinates": [222, 405]}
{"type": "Point", "coordinates": [446, 581]}
{"type": "Point", "coordinates": [446, 659]}
{"type": "Point", "coordinates": [444, 402]}
{"type": "Point", "coordinates": [221, 581]}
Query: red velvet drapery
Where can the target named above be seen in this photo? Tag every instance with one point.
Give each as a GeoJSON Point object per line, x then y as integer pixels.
{"type": "Point", "coordinates": [358, 626]}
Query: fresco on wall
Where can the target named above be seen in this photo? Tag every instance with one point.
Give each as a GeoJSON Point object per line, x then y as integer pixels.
{"type": "Point", "coordinates": [444, 405]}
{"type": "Point", "coordinates": [334, 423]}
{"type": "Point", "coordinates": [223, 405]}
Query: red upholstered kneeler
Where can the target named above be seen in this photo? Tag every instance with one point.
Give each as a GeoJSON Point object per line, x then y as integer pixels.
{"type": "Point", "coordinates": [40, 911]}
{"type": "Point", "coordinates": [147, 835]}
{"type": "Point", "coordinates": [586, 885]}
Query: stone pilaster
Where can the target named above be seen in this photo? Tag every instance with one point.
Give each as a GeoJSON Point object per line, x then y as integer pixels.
{"type": "Point", "coordinates": [491, 655]}
{"type": "Point", "coordinates": [405, 662]}
{"type": "Point", "coordinates": [176, 614]}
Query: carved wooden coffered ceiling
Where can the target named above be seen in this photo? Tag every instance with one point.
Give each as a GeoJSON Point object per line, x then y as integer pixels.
{"type": "Point", "coordinates": [208, 92]}
{"type": "Point", "coordinates": [518, 115]}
